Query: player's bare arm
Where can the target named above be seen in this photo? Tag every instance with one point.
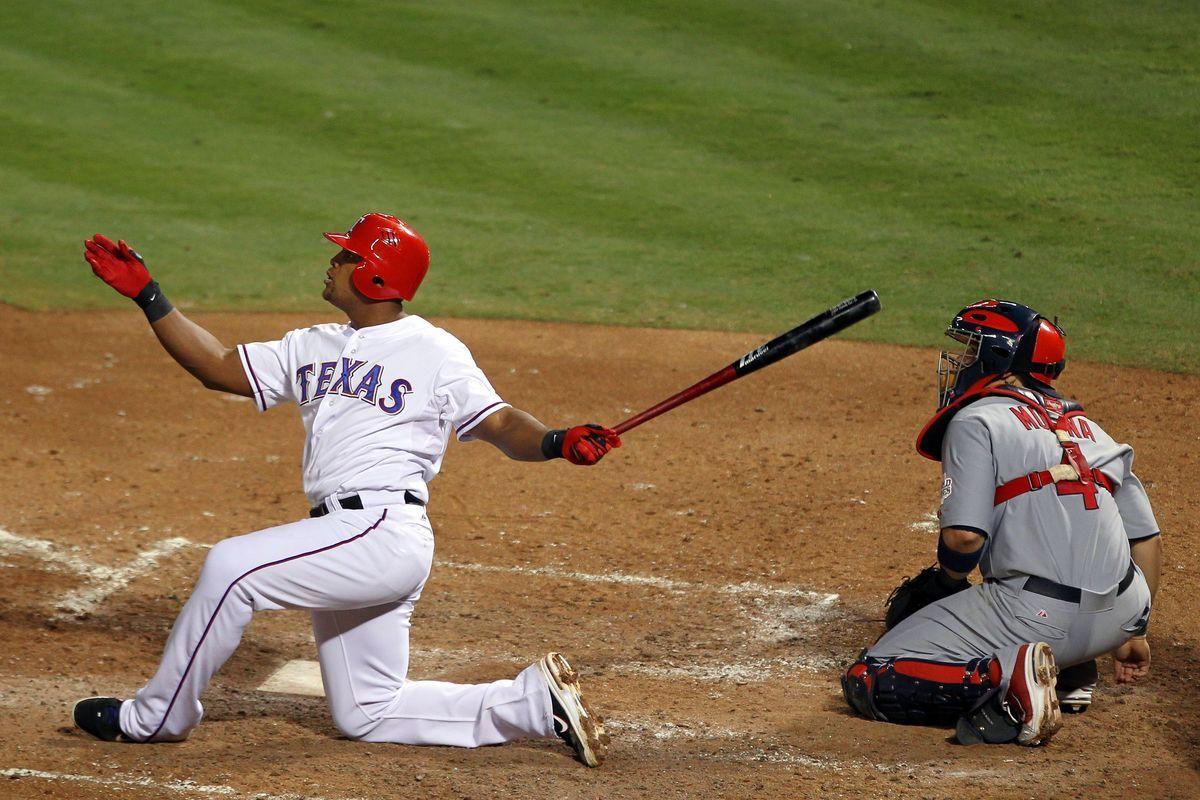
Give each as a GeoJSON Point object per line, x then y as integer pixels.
{"type": "Point", "coordinates": [1147, 554]}
{"type": "Point", "coordinates": [521, 437]}
{"type": "Point", "coordinates": [202, 354]}
{"type": "Point", "coordinates": [194, 348]}
{"type": "Point", "coordinates": [1131, 661]}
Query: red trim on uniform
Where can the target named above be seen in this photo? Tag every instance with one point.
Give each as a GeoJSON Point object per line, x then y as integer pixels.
{"type": "Point", "coordinates": [857, 670]}
{"type": "Point", "coordinates": [228, 589]}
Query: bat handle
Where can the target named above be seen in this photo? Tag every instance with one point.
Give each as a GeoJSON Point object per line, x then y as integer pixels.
{"type": "Point", "coordinates": [705, 386]}
{"type": "Point", "coordinates": [629, 424]}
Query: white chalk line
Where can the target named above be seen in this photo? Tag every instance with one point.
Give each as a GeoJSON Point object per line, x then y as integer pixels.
{"type": "Point", "coordinates": [182, 787]}
{"type": "Point", "coordinates": [747, 670]}
{"type": "Point", "coordinates": [102, 581]}
{"type": "Point", "coordinates": [52, 552]}
{"type": "Point", "coordinates": [780, 608]}
{"type": "Point", "coordinates": [303, 676]}
{"type": "Point", "coordinates": [778, 613]}
{"type": "Point", "coordinates": [927, 524]}
{"type": "Point", "coordinates": [670, 584]}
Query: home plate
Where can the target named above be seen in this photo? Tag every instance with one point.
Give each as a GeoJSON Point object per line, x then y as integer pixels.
{"type": "Point", "coordinates": [296, 677]}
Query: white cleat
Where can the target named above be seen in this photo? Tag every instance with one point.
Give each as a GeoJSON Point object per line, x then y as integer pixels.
{"type": "Point", "coordinates": [574, 722]}
{"type": "Point", "coordinates": [1031, 699]}
{"type": "Point", "coordinates": [1076, 701]}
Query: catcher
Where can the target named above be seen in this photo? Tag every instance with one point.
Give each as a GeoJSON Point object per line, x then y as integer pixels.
{"type": "Point", "coordinates": [1046, 504]}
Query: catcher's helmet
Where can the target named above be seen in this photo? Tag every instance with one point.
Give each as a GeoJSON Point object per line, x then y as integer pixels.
{"type": "Point", "coordinates": [394, 257]}
{"type": "Point", "coordinates": [1000, 337]}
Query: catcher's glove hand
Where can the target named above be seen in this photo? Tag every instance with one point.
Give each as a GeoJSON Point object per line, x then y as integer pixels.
{"type": "Point", "coordinates": [927, 586]}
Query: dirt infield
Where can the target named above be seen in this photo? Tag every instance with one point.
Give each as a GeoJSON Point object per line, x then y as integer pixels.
{"type": "Point", "coordinates": [707, 579]}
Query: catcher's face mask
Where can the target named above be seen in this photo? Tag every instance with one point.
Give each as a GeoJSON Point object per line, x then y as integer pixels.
{"type": "Point", "coordinates": [951, 364]}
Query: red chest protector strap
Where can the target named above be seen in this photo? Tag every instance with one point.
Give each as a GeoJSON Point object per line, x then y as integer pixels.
{"type": "Point", "coordinates": [1072, 476]}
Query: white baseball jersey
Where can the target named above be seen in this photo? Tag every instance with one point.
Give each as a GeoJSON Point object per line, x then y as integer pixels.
{"type": "Point", "coordinates": [377, 403]}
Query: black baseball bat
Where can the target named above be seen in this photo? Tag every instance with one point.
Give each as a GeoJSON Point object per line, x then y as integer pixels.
{"type": "Point", "coordinates": [823, 325]}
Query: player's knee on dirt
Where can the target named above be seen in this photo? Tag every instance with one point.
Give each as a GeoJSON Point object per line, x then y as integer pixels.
{"type": "Point", "coordinates": [352, 724]}
{"type": "Point", "coordinates": [915, 692]}
{"type": "Point", "coordinates": [856, 688]}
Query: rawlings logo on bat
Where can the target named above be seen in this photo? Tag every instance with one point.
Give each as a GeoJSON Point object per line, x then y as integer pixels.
{"type": "Point", "coordinates": [753, 355]}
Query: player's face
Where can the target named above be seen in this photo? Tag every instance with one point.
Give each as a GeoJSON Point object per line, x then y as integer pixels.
{"type": "Point", "coordinates": [338, 287]}
{"type": "Point", "coordinates": [950, 364]}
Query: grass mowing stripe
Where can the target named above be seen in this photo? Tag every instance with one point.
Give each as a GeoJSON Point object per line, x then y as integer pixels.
{"type": "Point", "coordinates": [732, 165]}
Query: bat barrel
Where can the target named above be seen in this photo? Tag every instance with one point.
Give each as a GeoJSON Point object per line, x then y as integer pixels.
{"type": "Point", "coordinates": [825, 324]}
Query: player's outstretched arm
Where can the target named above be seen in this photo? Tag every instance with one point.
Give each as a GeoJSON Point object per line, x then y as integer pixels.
{"type": "Point", "coordinates": [202, 354]}
{"type": "Point", "coordinates": [193, 347]}
{"type": "Point", "coordinates": [522, 438]}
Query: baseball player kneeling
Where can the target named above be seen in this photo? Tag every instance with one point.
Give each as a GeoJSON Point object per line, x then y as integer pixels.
{"type": "Point", "coordinates": [1046, 504]}
{"type": "Point", "coordinates": [378, 397]}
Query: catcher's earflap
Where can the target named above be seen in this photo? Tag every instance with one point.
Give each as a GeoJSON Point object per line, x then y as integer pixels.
{"type": "Point", "coordinates": [1042, 351]}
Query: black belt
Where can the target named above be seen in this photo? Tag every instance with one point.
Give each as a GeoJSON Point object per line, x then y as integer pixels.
{"type": "Point", "coordinates": [1048, 588]}
{"type": "Point", "coordinates": [355, 503]}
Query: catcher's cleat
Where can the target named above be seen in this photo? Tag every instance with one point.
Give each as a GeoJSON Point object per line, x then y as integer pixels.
{"type": "Point", "coordinates": [1031, 699]}
{"type": "Point", "coordinates": [1076, 701]}
{"type": "Point", "coordinates": [1076, 685]}
{"type": "Point", "coordinates": [101, 717]}
{"type": "Point", "coordinates": [574, 722]}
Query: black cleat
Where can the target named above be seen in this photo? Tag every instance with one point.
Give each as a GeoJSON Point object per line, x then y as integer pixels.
{"type": "Point", "coordinates": [101, 717]}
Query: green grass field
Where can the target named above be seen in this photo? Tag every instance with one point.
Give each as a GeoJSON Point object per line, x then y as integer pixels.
{"type": "Point", "coordinates": [726, 165]}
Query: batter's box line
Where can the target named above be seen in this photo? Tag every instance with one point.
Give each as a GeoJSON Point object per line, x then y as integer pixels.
{"type": "Point", "coordinates": [654, 581]}
{"type": "Point", "coordinates": [779, 609]}
{"type": "Point", "coordinates": [101, 581]}
{"type": "Point", "coordinates": [778, 613]}
{"type": "Point", "coordinates": [185, 788]}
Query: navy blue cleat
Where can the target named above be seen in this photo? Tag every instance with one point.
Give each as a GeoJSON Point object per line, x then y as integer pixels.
{"type": "Point", "coordinates": [101, 717]}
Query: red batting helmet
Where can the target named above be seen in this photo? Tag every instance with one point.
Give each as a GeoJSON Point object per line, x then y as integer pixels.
{"type": "Point", "coordinates": [394, 257]}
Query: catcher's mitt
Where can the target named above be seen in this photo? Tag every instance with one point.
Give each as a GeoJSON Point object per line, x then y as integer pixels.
{"type": "Point", "coordinates": [927, 586]}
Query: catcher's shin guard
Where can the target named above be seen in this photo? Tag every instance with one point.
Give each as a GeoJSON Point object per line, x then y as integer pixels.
{"type": "Point", "coordinates": [912, 691]}
{"type": "Point", "coordinates": [1028, 714]}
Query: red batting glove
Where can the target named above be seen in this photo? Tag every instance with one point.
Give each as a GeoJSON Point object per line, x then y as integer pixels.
{"type": "Point", "coordinates": [587, 444]}
{"type": "Point", "coordinates": [117, 265]}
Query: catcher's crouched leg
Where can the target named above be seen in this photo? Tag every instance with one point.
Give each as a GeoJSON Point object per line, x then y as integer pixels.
{"type": "Point", "coordinates": [912, 691]}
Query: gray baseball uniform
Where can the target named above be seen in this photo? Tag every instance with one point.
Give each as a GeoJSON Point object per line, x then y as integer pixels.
{"type": "Point", "coordinates": [1040, 544]}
